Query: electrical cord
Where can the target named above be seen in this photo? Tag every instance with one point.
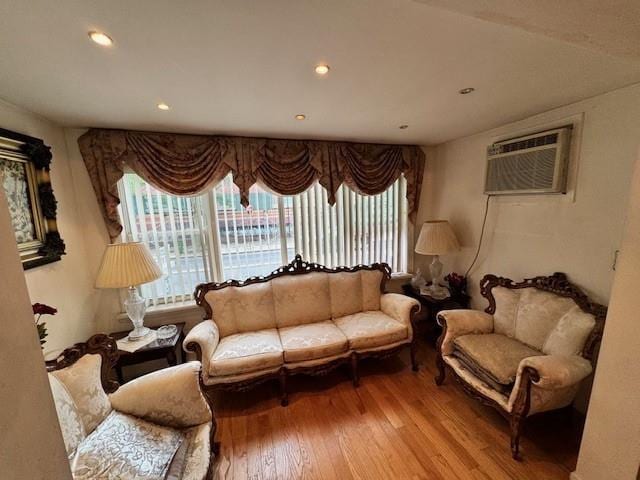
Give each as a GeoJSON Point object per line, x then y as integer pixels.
{"type": "Point", "coordinates": [484, 223]}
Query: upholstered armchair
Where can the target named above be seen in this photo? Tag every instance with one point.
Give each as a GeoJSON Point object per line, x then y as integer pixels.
{"type": "Point", "coordinates": [528, 351]}
{"type": "Point", "coordinates": [159, 426]}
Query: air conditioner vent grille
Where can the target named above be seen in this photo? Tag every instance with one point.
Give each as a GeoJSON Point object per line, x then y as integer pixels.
{"type": "Point", "coordinates": [524, 171]}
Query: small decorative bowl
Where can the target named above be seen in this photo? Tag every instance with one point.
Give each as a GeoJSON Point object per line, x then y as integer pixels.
{"type": "Point", "coordinates": [167, 331]}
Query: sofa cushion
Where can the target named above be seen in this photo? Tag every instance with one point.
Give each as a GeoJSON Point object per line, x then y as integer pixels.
{"type": "Point", "coordinates": [504, 318]}
{"type": "Point", "coordinates": [497, 356]}
{"type": "Point", "coordinates": [68, 416]}
{"type": "Point", "coordinates": [570, 333]}
{"type": "Point", "coordinates": [246, 352]}
{"type": "Point", "coordinates": [242, 309]}
{"type": "Point", "coordinates": [538, 314]}
{"type": "Point", "coordinates": [82, 381]}
{"type": "Point", "coordinates": [371, 329]}
{"type": "Point", "coordinates": [371, 283]}
{"type": "Point", "coordinates": [311, 341]}
{"type": "Point", "coordinates": [123, 446]}
{"type": "Point", "coordinates": [301, 299]}
{"type": "Point", "coordinates": [346, 293]}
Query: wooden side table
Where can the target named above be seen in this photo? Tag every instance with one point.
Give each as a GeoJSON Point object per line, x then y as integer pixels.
{"type": "Point", "coordinates": [158, 349]}
{"type": "Point", "coordinates": [433, 305]}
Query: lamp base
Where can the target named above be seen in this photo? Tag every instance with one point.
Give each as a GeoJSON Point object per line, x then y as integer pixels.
{"type": "Point", "coordinates": [138, 333]}
{"type": "Point", "coordinates": [136, 306]}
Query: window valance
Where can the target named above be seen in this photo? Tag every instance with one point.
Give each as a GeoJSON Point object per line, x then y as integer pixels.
{"type": "Point", "coordinates": [190, 164]}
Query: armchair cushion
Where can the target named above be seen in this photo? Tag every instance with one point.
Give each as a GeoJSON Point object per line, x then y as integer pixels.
{"type": "Point", "coordinates": [123, 446]}
{"type": "Point", "coordinates": [315, 340]}
{"type": "Point", "coordinates": [462, 322]}
{"type": "Point", "coordinates": [246, 352]}
{"type": "Point", "coordinates": [538, 313]}
{"type": "Point", "coordinates": [494, 356]}
{"type": "Point", "coordinates": [82, 381]}
{"type": "Point", "coordinates": [570, 333]}
{"type": "Point", "coordinates": [371, 329]}
{"type": "Point", "coordinates": [169, 397]}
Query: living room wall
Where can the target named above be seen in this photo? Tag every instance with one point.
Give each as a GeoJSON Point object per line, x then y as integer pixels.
{"type": "Point", "coordinates": [577, 233]}
{"type": "Point", "coordinates": [66, 285]}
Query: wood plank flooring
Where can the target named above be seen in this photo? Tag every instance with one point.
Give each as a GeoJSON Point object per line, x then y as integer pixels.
{"type": "Point", "coordinates": [397, 425]}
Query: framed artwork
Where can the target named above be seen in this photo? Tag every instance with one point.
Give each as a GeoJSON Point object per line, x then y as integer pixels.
{"type": "Point", "coordinates": [24, 177]}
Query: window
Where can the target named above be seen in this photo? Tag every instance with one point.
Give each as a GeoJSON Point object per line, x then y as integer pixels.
{"type": "Point", "coordinates": [214, 238]}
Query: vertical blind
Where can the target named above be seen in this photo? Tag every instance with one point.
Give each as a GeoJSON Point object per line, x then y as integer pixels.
{"type": "Point", "coordinates": [214, 238]}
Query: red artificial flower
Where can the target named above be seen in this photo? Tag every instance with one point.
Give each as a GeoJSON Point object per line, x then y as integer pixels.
{"type": "Point", "coordinates": [42, 309]}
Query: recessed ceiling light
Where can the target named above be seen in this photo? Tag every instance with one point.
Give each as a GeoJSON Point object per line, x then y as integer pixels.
{"type": "Point", "coordinates": [403, 127]}
{"type": "Point", "coordinates": [464, 91]}
{"type": "Point", "coordinates": [322, 69]}
{"type": "Point", "coordinates": [101, 38]}
{"type": "Point", "coordinates": [163, 106]}
{"type": "Point", "coordinates": [300, 116]}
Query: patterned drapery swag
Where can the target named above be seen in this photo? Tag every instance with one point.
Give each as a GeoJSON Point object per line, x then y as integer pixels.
{"type": "Point", "coordinates": [190, 164]}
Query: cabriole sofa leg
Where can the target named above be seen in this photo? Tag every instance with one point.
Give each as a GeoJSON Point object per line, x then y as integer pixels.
{"type": "Point", "coordinates": [355, 376]}
{"type": "Point", "coordinates": [284, 395]}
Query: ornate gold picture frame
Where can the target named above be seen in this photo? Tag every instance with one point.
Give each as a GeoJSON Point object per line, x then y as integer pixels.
{"type": "Point", "coordinates": [24, 177]}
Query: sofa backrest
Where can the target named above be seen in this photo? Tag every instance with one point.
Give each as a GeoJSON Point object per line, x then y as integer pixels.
{"type": "Point", "coordinates": [296, 294]}
{"type": "Point", "coordinates": [546, 313]}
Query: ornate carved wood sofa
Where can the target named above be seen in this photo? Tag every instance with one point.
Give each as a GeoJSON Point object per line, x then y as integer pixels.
{"type": "Point", "coordinates": [527, 352]}
{"type": "Point", "coordinates": [157, 426]}
{"type": "Point", "coordinates": [302, 318]}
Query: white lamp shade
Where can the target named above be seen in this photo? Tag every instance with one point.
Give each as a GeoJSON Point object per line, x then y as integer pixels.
{"type": "Point", "coordinates": [127, 265]}
{"type": "Point", "coordinates": [437, 238]}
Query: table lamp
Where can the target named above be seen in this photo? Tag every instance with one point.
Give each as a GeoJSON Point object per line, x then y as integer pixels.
{"type": "Point", "coordinates": [127, 265]}
{"type": "Point", "coordinates": [436, 238]}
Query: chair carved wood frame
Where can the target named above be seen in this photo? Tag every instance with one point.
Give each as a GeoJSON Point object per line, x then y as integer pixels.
{"type": "Point", "coordinates": [106, 346]}
{"type": "Point", "coordinates": [557, 284]}
{"type": "Point", "coordinates": [301, 267]}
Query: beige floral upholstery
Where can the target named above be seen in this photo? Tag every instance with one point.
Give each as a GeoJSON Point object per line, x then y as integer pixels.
{"type": "Point", "coordinates": [570, 333]}
{"type": "Point", "coordinates": [371, 282]}
{"type": "Point", "coordinates": [68, 416]}
{"type": "Point", "coordinates": [82, 381]}
{"type": "Point", "coordinates": [538, 313]}
{"type": "Point", "coordinates": [371, 329]}
{"type": "Point", "coordinates": [126, 447]}
{"type": "Point", "coordinates": [153, 417]}
{"type": "Point", "coordinates": [315, 340]}
{"type": "Point", "coordinates": [168, 397]}
{"type": "Point", "coordinates": [504, 319]}
{"type": "Point", "coordinates": [301, 299]}
{"type": "Point", "coordinates": [243, 309]}
{"type": "Point", "coordinates": [494, 355]}
{"type": "Point", "coordinates": [319, 317]}
{"type": "Point", "coordinates": [206, 336]}
{"type": "Point", "coordinates": [346, 293]}
{"type": "Point", "coordinates": [247, 352]}
{"type": "Point", "coordinates": [198, 451]}
{"type": "Point", "coordinates": [462, 322]}
{"type": "Point", "coordinates": [399, 308]}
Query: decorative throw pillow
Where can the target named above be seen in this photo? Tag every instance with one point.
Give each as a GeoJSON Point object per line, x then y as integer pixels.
{"type": "Point", "coordinates": [126, 447]}
{"type": "Point", "coordinates": [82, 380]}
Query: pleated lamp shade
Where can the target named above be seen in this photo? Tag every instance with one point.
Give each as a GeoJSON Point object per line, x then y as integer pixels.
{"type": "Point", "coordinates": [437, 238]}
{"type": "Point", "coordinates": [127, 265]}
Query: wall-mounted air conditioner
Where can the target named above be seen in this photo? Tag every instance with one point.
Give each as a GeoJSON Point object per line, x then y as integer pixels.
{"type": "Point", "coordinates": [532, 164]}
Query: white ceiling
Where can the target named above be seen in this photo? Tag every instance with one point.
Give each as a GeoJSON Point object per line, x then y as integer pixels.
{"type": "Point", "coordinates": [246, 67]}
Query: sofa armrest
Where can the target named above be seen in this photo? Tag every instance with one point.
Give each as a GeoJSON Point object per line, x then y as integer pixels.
{"type": "Point", "coordinates": [456, 323]}
{"type": "Point", "coordinates": [556, 371]}
{"type": "Point", "coordinates": [172, 397]}
{"type": "Point", "coordinates": [400, 308]}
{"type": "Point", "coordinates": [202, 339]}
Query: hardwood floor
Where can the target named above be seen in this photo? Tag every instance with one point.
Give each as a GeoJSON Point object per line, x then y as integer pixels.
{"type": "Point", "coordinates": [397, 425]}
